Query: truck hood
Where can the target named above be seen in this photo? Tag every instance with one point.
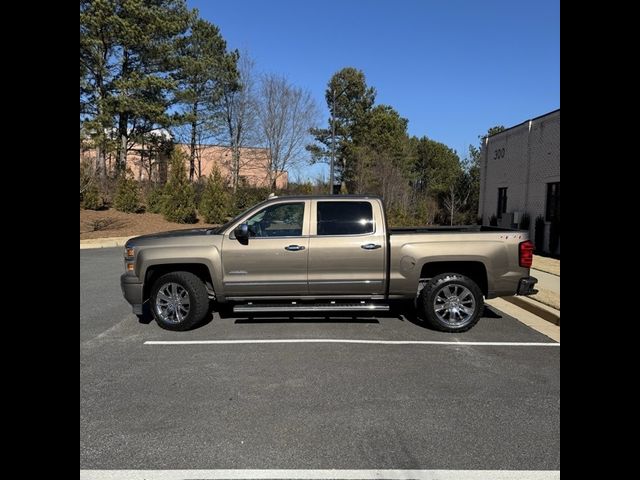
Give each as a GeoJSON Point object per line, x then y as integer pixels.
{"type": "Point", "coordinates": [192, 232]}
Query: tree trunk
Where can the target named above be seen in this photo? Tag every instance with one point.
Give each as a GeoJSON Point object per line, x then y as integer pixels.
{"type": "Point", "coordinates": [101, 163]}
{"type": "Point", "coordinates": [235, 168]}
{"type": "Point", "coordinates": [192, 154]}
{"type": "Point", "coordinates": [121, 164]}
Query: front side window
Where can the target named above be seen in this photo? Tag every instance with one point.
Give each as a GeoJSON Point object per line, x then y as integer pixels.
{"type": "Point", "coordinates": [282, 220]}
{"type": "Point", "coordinates": [344, 218]}
{"type": "Point", "coordinates": [502, 201]}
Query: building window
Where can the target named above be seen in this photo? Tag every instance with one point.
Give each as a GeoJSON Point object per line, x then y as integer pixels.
{"type": "Point", "coordinates": [553, 202]}
{"type": "Point", "coordinates": [502, 201]}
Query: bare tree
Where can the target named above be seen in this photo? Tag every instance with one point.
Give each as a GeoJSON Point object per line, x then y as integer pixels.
{"type": "Point", "coordinates": [239, 113]}
{"type": "Point", "coordinates": [286, 114]}
{"type": "Point", "coordinates": [457, 196]}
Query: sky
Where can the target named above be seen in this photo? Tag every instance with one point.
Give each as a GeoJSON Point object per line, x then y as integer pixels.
{"type": "Point", "coordinates": [452, 68]}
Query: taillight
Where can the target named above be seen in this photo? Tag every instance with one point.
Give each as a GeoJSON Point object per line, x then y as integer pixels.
{"type": "Point", "coordinates": [525, 250]}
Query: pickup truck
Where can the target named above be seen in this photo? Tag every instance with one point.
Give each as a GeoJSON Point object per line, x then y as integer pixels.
{"type": "Point", "coordinates": [298, 254]}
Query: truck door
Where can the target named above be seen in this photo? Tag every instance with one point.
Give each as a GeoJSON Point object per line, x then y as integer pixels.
{"type": "Point", "coordinates": [274, 261]}
{"type": "Point", "coordinates": [347, 248]}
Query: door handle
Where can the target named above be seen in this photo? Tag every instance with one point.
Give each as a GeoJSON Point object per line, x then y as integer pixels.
{"type": "Point", "coordinates": [370, 246]}
{"type": "Point", "coordinates": [294, 248]}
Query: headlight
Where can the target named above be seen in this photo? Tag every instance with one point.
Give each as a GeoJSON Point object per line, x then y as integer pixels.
{"type": "Point", "coordinates": [129, 252]}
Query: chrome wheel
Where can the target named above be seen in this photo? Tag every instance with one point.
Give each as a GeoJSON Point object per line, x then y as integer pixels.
{"type": "Point", "coordinates": [172, 302]}
{"type": "Point", "coordinates": [454, 304]}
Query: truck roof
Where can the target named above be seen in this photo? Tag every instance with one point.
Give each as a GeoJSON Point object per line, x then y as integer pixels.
{"type": "Point", "coordinates": [312, 197]}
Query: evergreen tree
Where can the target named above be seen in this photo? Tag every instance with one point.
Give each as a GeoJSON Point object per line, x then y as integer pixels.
{"type": "Point", "coordinates": [349, 100]}
{"type": "Point", "coordinates": [203, 63]}
{"type": "Point", "coordinates": [214, 204]}
{"type": "Point", "coordinates": [127, 195]}
{"type": "Point", "coordinates": [178, 203]}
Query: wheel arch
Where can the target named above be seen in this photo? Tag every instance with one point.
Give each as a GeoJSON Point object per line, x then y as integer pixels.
{"type": "Point", "coordinates": [155, 271]}
{"type": "Point", "coordinates": [475, 270]}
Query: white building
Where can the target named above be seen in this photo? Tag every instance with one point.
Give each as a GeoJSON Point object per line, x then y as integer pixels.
{"type": "Point", "coordinates": [520, 174]}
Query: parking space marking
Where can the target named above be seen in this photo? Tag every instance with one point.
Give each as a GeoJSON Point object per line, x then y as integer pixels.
{"type": "Point", "coordinates": [319, 474]}
{"type": "Point", "coordinates": [336, 340]}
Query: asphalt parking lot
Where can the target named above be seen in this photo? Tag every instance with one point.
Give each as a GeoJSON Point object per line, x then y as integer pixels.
{"type": "Point", "coordinates": [309, 405]}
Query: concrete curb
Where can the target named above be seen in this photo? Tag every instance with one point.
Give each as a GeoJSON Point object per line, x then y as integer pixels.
{"type": "Point", "coordinates": [104, 242]}
{"type": "Point", "coordinates": [540, 309]}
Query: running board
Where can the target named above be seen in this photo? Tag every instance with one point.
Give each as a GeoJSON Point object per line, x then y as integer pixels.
{"type": "Point", "coordinates": [318, 307]}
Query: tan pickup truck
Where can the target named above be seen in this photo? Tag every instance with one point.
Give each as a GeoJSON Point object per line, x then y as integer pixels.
{"type": "Point", "coordinates": [324, 254]}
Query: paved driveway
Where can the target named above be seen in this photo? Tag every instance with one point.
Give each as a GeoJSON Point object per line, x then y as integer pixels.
{"type": "Point", "coordinates": [309, 405]}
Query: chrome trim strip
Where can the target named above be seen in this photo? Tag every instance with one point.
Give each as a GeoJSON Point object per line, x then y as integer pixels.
{"type": "Point", "coordinates": [286, 297]}
{"type": "Point", "coordinates": [260, 284]}
{"type": "Point", "coordinates": [309, 308]}
{"type": "Point", "coordinates": [347, 282]}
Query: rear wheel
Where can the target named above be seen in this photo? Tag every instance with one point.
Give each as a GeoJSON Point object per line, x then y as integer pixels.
{"type": "Point", "coordinates": [179, 301]}
{"type": "Point", "coordinates": [451, 302]}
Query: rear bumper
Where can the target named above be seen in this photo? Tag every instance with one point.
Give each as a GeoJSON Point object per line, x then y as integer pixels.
{"type": "Point", "coordinates": [526, 284]}
{"type": "Point", "coordinates": [132, 291]}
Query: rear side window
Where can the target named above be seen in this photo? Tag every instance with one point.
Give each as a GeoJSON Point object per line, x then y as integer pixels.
{"type": "Point", "coordinates": [344, 218]}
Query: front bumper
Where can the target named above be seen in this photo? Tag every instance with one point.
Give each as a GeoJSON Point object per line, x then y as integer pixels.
{"type": "Point", "coordinates": [132, 291]}
{"type": "Point", "coordinates": [526, 284]}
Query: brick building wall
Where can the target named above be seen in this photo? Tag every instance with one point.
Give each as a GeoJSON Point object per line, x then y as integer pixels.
{"type": "Point", "coordinates": [524, 159]}
{"type": "Point", "coordinates": [253, 164]}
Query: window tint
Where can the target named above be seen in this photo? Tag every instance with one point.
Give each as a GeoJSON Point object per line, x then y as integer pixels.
{"type": "Point", "coordinates": [344, 218]}
{"type": "Point", "coordinates": [282, 220]}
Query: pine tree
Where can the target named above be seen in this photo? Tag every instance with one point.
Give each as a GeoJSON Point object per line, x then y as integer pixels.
{"type": "Point", "coordinates": [179, 198]}
{"type": "Point", "coordinates": [127, 195]}
{"type": "Point", "coordinates": [214, 204]}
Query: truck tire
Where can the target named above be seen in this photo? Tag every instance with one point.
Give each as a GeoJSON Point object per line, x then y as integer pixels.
{"type": "Point", "coordinates": [451, 302]}
{"type": "Point", "coordinates": [179, 301]}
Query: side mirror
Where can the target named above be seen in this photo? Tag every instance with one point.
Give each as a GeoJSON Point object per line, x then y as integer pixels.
{"type": "Point", "coordinates": [242, 233]}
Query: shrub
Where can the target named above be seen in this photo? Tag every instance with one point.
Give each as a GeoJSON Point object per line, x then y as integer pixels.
{"type": "Point", "coordinates": [478, 220]}
{"type": "Point", "coordinates": [91, 198]}
{"type": "Point", "coordinates": [155, 197]}
{"type": "Point", "coordinates": [178, 203]}
{"type": "Point", "coordinates": [214, 203]}
{"type": "Point", "coordinates": [246, 197]}
{"type": "Point", "coordinates": [525, 221]}
{"type": "Point", "coordinates": [539, 233]}
{"type": "Point", "coordinates": [493, 221]}
{"type": "Point", "coordinates": [127, 198]}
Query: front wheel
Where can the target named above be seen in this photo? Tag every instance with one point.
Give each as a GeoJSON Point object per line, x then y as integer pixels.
{"type": "Point", "coordinates": [451, 302]}
{"type": "Point", "coordinates": [179, 301]}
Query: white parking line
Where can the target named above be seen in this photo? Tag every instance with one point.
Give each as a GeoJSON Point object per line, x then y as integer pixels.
{"type": "Point", "coordinates": [336, 340]}
{"type": "Point", "coordinates": [319, 474]}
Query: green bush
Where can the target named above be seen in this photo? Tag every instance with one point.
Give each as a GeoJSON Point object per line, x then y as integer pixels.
{"type": "Point", "coordinates": [155, 197]}
{"type": "Point", "coordinates": [127, 197]}
{"type": "Point", "coordinates": [214, 204]}
{"type": "Point", "coordinates": [525, 221]}
{"type": "Point", "coordinates": [493, 221]}
{"type": "Point", "coordinates": [178, 203]}
{"type": "Point", "coordinates": [246, 197]}
{"type": "Point", "coordinates": [91, 198]}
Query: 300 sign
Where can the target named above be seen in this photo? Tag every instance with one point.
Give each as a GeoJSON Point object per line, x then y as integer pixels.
{"type": "Point", "coordinates": [499, 153]}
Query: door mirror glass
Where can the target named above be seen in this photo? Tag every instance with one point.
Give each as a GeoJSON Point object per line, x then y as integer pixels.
{"type": "Point", "coordinates": [242, 233]}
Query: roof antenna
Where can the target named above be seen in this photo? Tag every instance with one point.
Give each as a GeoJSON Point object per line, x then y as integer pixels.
{"type": "Point", "coordinates": [271, 195]}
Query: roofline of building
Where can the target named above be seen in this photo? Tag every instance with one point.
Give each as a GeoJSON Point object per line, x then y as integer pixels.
{"type": "Point", "coordinates": [522, 123]}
